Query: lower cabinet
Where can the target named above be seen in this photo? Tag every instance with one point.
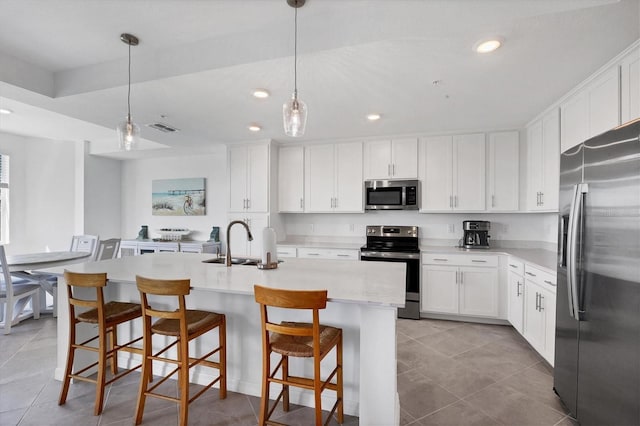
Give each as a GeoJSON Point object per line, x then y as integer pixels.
{"type": "Point", "coordinates": [539, 319]}
{"type": "Point", "coordinates": [448, 288]}
{"type": "Point", "coordinates": [327, 253]}
{"type": "Point", "coordinates": [515, 285]}
{"type": "Point", "coordinates": [135, 247]}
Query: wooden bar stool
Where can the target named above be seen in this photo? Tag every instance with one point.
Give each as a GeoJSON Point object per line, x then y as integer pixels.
{"type": "Point", "coordinates": [295, 339]}
{"type": "Point", "coordinates": [107, 316]}
{"type": "Point", "coordinates": [184, 325]}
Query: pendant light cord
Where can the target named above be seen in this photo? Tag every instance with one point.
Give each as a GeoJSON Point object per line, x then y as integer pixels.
{"type": "Point", "coordinates": [129, 87]}
{"type": "Point", "coordinates": [295, 53]}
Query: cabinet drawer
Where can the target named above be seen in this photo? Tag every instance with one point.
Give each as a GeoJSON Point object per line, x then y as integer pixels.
{"type": "Point", "coordinates": [542, 278]}
{"type": "Point", "coordinates": [459, 259]}
{"type": "Point", "coordinates": [287, 252]}
{"type": "Point", "coordinates": [322, 253]}
{"type": "Point", "coordinates": [516, 266]}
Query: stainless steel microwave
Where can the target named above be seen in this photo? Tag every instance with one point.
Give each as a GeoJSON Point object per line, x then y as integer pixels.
{"type": "Point", "coordinates": [391, 194]}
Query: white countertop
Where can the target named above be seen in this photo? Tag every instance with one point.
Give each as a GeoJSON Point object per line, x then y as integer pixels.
{"type": "Point", "coordinates": [379, 283]}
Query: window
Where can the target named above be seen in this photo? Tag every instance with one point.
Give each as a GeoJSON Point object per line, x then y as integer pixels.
{"type": "Point", "coordinates": [4, 199]}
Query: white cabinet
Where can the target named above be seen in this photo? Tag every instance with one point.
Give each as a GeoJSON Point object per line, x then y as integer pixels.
{"type": "Point", "coordinates": [630, 86]}
{"type": "Point", "coordinates": [540, 311]}
{"type": "Point", "coordinates": [291, 179]}
{"type": "Point", "coordinates": [515, 287]}
{"type": "Point", "coordinates": [138, 247]}
{"type": "Point", "coordinates": [594, 109]}
{"type": "Point", "coordinates": [453, 173]}
{"type": "Point", "coordinates": [240, 245]}
{"type": "Point", "coordinates": [333, 178]}
{"type": "Point", "coordinates": [248, 178]}
{"type": "Point", "coordinates": [543, 162]}
{"type": "Point", "coordinates": [394, 159]}
{"type": "Point", "coordinates": [460, 284]}
{"type": "Point", "coordinates": [328, 253]}
{"type": "Point", "coordinates": [504, 159]}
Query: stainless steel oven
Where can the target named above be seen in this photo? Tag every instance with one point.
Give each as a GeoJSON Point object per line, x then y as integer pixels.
{"type": "Point", "coordinates": [391, 194]}
{"type": "Point", "coordinates": [397, 244]}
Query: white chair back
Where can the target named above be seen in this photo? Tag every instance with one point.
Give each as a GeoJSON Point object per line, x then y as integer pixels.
{"type": "Point", "coordinates": [108, 249]}
{"type": "Point", "coordinates": [6, 287]}
{"type": "Point", "coordinates": [10, 293]}
{"type": "Point", "coordinates": [85, 243]}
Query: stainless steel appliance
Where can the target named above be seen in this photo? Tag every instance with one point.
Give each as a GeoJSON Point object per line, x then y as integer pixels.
{"type": "Point", "coordinates": [391, 194]}
{"type": "Point", "coordinates": [476, 234]}
{"type": "Point", "coordinates": [597, 352]}
{"type": "Point", "coordinates": [397, 244]}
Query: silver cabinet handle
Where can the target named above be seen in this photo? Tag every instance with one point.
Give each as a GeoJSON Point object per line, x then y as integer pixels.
{"type": "Point", "coordinates": [537, 301]}
{"type": "Point", "coordinates": [542, 198]}
{"type": "Point", "coordinates": [455, 201]}
{"type": "Point", "coordinates": [518, 292]}
{"type": "Point", "coordinates": [451, 201]}
{"type": "Point", "coordinates": [248, 203]}
{"type": "Point", "coordinates": [457, 277]}
{"type": "Point", "coordinates": [461, 277]}
{"type": "Point", "coordinates": [343, 255]}
{"type": "Point", "coordinates": [301, 203]}
{"type": "Point", "coordinates": [493, 201]}
{"type": "Point", "coordinates": [513, 266]}
{"type": "Point", "coordinates": [550, 283]}
{"type": "Point", "coordinates": [478, 261]}
{"type": "Point", "coordinates": [331, 202]}
{"type": "Point", "coordinates": [530, 274]}
{"type": "Point", "coordinates": [313, 254]}
{"type": "Point", "coordinates": [441, 260]}
{"type": "Point", "coordinates": [393, 169]}
{"type": "Point", "coordinates": [541, 299]}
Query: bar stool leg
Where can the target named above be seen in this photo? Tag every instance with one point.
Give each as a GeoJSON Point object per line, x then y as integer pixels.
{"type": "Point", "coordinates": [183, 379]}
{"type": "Point", "coordinates": [285, 388]}
{"type": "Point", "coordinates": [340, 380]}
{"type": "Point", "coordinates": [146, 375]}
{"type": "Point", "coordinates": [264, 402]}
{"type": "Point", "coordinates": [222, 338]}
{"type": "Point", "coordinates": [102, 366]}
{"type": "Point", "coordinates": [113, 341]}
{"type": "Point", "coordinates": [317, 391]}
{"type": "Point", "coordinates": [71, 351]}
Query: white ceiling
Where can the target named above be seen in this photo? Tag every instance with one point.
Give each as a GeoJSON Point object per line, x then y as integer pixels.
{"type": "Point", "coordinates": [198, 62]}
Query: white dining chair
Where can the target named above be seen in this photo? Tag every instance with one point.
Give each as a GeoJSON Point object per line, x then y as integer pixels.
{"type": "Point", "coordinates": [15, 294]}
{"type": "Point", "coordinates": [108, 249]}
{"type": "Point", "coordinates": [85, 243]}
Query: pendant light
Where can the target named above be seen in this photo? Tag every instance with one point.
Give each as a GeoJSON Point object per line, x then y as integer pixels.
{"type": "Point", "coordinates": [128, 131]}
{"type": "Point", "coordinates": [294, 111]}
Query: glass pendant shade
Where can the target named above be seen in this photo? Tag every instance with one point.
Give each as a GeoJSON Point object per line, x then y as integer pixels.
{"type": "Point", "coordinates": [128, 134]}
{"type": "Point", "coordinates": [294, 114]}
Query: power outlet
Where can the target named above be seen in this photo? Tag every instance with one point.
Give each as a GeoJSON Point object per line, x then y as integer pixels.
{"type": "Point", "coordinates": [452, 228]}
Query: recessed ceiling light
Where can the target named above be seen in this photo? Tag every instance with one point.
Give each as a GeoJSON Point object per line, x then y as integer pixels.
{"type": "Point", "coordinates": [5, 111]}
{"type": "Point", "coordinates": [254, 128]}
{"type": "Point", "coordinates": [261, 93]}
{"type": "Point", "coordinates": [373, 117]}
{"type": "Point", "coordinates": [486, 46]}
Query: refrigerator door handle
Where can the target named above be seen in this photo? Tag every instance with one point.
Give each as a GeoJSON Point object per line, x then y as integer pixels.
{"type": "Point", "coordinates": [575, 218]}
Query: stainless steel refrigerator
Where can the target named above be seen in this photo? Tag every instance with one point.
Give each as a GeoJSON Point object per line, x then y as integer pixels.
{"type": "Point", "coordinates": [597, 359]}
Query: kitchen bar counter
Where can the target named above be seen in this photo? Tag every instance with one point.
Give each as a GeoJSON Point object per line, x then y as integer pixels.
{"type": "Point", "coordinates": [363, 297]}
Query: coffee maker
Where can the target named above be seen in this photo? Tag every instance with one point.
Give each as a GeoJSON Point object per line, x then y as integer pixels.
{"type": "Point", "coordinates": [476, 234]}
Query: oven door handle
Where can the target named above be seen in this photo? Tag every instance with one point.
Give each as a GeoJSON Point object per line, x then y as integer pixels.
{"type": "Point", "coordinates": [382, 255]}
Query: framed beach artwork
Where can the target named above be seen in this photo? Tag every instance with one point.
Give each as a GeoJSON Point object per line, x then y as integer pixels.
{"type": "Point", "coordinates": [178, 197]}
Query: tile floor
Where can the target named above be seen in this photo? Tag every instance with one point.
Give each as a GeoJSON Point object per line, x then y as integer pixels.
{"type": "Point", "coordinates": [449, 373]}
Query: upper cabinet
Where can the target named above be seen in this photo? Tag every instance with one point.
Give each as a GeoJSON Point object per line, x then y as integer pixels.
{"type": "Point", "coordinates": [333, 178]}
{"type": "Point", "coordinates": [630, 86]}
{"type": "Point", "coordinates": [248, 167]}
{"type": "Point", "coordinates": [452, 169]}
{"type": "Point", "coordinates": [503, 174]}
{"type": "Point", "coordinates": [543, 162]}
{"type": "Point", "coordinates": [291, 179]}
{"type": "Point", "coordinates": [592, 110]}
{"type": "Point", "coordinates": [391, 159]}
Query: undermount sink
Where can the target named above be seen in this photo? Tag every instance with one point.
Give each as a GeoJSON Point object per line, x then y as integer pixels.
{"type": "Point", "coordinates": [234, 261]}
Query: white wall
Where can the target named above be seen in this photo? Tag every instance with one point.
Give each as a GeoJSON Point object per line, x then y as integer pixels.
{"type": "Point", "coordinates": [504, 227]}
{"type": "Point", "coordinates": [137, 176]}
{"type": "Point", "coordinates": [42, 193]}
{"type": "Point", "coordinates": [102, 197]}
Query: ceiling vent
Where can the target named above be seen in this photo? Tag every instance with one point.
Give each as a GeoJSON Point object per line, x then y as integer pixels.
{"type": "Point", "coordinates": [163, 127]}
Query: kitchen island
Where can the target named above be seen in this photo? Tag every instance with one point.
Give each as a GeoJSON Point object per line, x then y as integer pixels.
{"type": "Point", "coordinates": [363, 300]}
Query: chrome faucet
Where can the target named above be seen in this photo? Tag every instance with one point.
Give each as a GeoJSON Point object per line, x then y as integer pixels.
{"type": "Point", "coordinates": [249, 237]}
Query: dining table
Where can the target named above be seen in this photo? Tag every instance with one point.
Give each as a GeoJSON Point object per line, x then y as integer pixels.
{"type": "Point", "coordinates": [26, 266]}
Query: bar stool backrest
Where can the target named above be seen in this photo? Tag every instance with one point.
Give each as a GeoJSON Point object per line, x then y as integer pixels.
{"type": "Point", "coordinates": [176, 288]}
{"type": "Point", "coordinates": [97, 281]}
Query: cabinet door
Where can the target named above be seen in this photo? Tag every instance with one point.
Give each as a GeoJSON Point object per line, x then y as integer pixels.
{"type": "Point", "coordinates": [439, 289]}
{"type": "Point", "coordinates": [291, 179]}
{"type": "Point", "coordinates": [534, 327]}
{"type": "Point", "coordinates": [575, 120]}
{"type": "Point", "coordinates": [319, 178]}
{"type": "Point", "coordinates": [550, 161]}
{"type": "Point", "coordinates": [479, 291]}
{"type": "Point", "coordinates": [349, 186]}
{"type": "Point", "coordinates": [630, 86]}
{"type": "Point", "coordinates": [516, 300]}
{"type": "Point", "coordinates": [258, 177]}
{"type": "Point", "coordinates": [548, 309]}
{"type": "Point", "coordinates": [237, 163]}
{"type": "Point", "coordinates": [377, 160]}
{"type": "Point", "coordinates": [437, 173]}
{"type": "Point", "coordinates": [404, 154]}
{"type": "Point", "coordinates": [534, 165]}
{"type": "Point", "coordinates": [469, 172]}
{"type": "Point", "coordinates": [604, 102]}
{"type": "Point", "coordinates": [504, 183]}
